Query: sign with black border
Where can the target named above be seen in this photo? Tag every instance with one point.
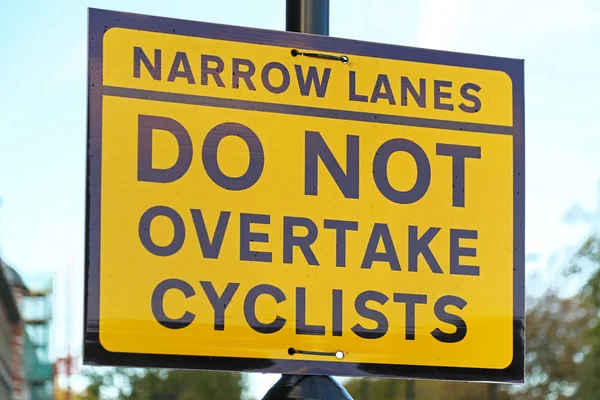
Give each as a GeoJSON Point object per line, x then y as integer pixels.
{"type": "Point", "coordinates": [254, 209]}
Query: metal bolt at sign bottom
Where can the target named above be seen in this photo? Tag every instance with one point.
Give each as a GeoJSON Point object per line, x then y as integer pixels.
{"type": "Point", "coordinates": [337, 354]}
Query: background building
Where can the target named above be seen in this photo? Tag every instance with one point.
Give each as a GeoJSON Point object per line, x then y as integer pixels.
{"type": "Point", "coordinates": [32, 373]}
{"type": "Point", "coordinates": [20, 388]}
{"type": "Point", "coordinates": [9, 319]}
{"type": "Point", "coordinates": [37, 317]}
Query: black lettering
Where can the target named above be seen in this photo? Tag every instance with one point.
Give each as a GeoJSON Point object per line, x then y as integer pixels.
{"type": "Point", "coordinates": [181, 60]}
{"type": "Point", "coordinates": [444, 316]}
{"type": "Point", "coordinates": [247, 237]}
{"type": "Point", "coordinates": [438, 95]}
{"type": "Point", "coordinates": [352, 85]}
{"type": "Point", "coordinates": [382, 83]}
{"type": "Point", "coordinates": [464, 92]}
{"type": "Point", "coordinates": [250, 309]}
{"type": "Point", "coordinates": [210, 248]}
{"type": "Point", "coordinates": [219, 303]}
{"type": "Point", "coordinates": [315, 149]}
{"type": "Point", "coordinates": [458, 153]}
{"type": "Point", "coordinates": [337, 314]}
{"type": "Point", "coordinates": [340, 237]}
{"type": "Point", "coordinates": [410, 300]}
{"type": "Point", "coordinates": [381, 232]}
{"type": "Point", "coordinates": [154, 69]}
{"type": "Point", "coordinates": [312, 78]}
{"type": "Point", "coordinates": [178, 231]}
{"type": "Point", "coordinates": [245, 75]}
{"type": "Point", "coordinates": [302, 242]}
{"type": "Point", "coordinates": [209, 156]}
{"type": "Point", "coordinates": [380, 166]}
{"type": "Point", "coordinates": [215, 71]}
{"type": "Point", "coordinates": [420, 245]}
{"type": "Point", "coordinates": [456, 252]}
{"type": "Point", "coordinates": [302, 328]}
{"type": "Point", "coordinates": [407, 86]}
{"type": "Point", "coordinates": [157, 303]}
{"type": "Point", "coordinates": [147, 124]}
{"type": "Point", "coordinates": [360, 304]}
{"type": "Point", "coordinates": [266, 77]}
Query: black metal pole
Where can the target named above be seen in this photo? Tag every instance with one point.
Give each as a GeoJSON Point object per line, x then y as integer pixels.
{"type": "Point", "coordinates": [307, 387]}
{"type": "Point", "coordinates": [307, 16]}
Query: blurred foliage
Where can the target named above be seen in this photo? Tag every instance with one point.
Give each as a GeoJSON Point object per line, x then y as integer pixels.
{"type": "Point", "coordinates": [152, 384]}
{"type": "Point", "coordinates": [589, 382]}
{"type": "Point", "coordinates": [556, 335]}
{"type": "Point", "coordinates": [392, 389]}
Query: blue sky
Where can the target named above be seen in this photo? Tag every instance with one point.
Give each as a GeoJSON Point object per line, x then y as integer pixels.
{"type": "Point", "coordinates": [43, 112]}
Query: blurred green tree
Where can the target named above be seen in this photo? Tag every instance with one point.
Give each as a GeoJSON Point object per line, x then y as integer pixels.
{"type": "Point", "coordinates": [588, 257]}
{"type": "Point", "coordinates": [395, 389]}
{"type": "Point", "coordinates": [153, 384]}
{"type": "Point", "coordinates": [556, 334]}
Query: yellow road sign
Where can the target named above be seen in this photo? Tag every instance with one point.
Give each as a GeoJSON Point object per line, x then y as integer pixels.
{"type": "Point", "coordinates": [255, 208]}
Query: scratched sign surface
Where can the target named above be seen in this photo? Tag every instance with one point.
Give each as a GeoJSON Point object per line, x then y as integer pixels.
{"type": "Point", "coordinates": [251, 209]}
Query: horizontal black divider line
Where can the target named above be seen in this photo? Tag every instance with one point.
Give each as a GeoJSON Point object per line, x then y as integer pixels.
{"type": "Point", "coordinates": [302, 110]}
